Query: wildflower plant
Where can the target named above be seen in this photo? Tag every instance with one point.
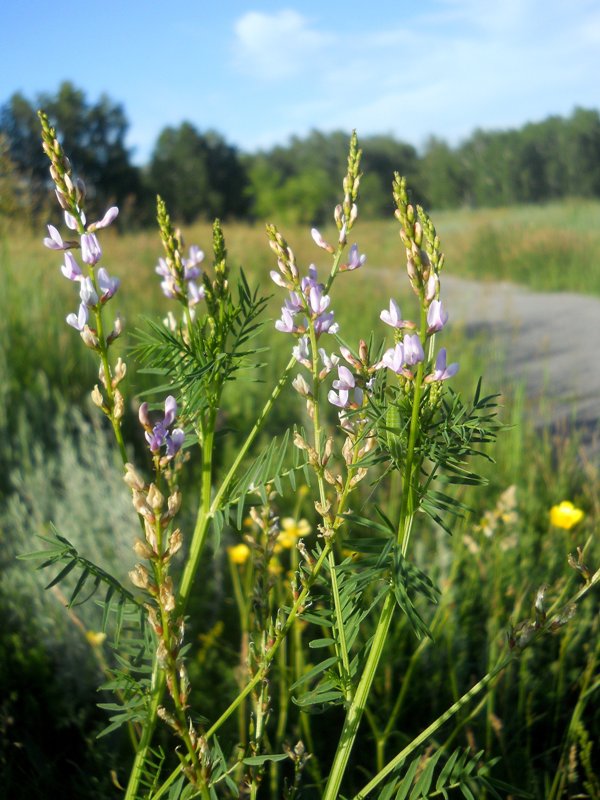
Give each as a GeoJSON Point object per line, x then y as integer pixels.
{"type": "Point", "coordinates": [333, 585]}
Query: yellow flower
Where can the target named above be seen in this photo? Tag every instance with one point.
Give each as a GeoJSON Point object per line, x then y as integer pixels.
{"type": "Point", "coordinates": [95, 638]}
{"type": "Point", "coordinates": [292, 530]}
{"type": "Point", "coordinates": [565, 515]}
{"type": "Point", "coordinates": [274, 566]}
{"type": "Point", "coordinates": [239, 553]}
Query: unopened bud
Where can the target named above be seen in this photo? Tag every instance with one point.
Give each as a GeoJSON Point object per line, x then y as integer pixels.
{"type": "Point", "coordinates": [119, 405]}
{"type": "Point", "coordinates": [62, 200]}
{"type": "Point", "coordinates": [155, 499]}
{"type": "Point", "coordinates": [68, 183]}
{"type": "Point", "coordinates": [175, 542]}
{"type": "Point", "coordinates": [143, 415]}
{"type": "Point", "coordinates": [140, 577]}
{"type": "Point", "coordinates": [116, 331]}
{"type": "Point", "coordinates": [354, 211]}
{"type": "Point", "coordinates": [80, 191]}
{"type": "Point", "coordinates": [301, 386]}
{"type": "Point", "coordinates": [97, 398]}
{"type": "Point", "coordinates": [89, 337]}
{"type": "Point", "coordinates": [119, 372]}
{"type": "Point", "coordinates": [174, 503]}
{"type": "Point", "coordinates": [142, 550]}
{"type": "Point", "coordinates": [133, 479]}
{"type": "Point", "coordinates": [165, 594]}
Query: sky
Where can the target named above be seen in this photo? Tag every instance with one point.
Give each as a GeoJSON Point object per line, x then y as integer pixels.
{"type": "Point", "coordinates": [259, 72]}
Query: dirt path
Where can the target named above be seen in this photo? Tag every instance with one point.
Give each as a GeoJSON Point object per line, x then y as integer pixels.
{"type": "Point", "coordinates": [550, 343]}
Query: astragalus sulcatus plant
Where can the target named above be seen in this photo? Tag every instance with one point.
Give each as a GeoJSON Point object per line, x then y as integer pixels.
{"type": "Point", "coordinates": [377, 416]}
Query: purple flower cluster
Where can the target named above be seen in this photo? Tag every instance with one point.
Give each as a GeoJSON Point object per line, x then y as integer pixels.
{"type": "Point", "coordinates": [409, 351]}
{"type": "Point", "coordinates": [308, 299]}
{"type": "Point", "coordinates": [97, 287]}
{"type": "Point", "coordinates": [185, 287]}
{"type": "Point", "coordinates": [162, 434]}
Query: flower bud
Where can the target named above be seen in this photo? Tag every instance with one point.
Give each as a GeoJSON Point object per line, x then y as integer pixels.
{"type": "Point", "coordinates": [132, 478]}
{"type": "Point", "coordinates": [119, 405]}
{"type": "Point", "coordinates": [143, 415]}
{"type": "Point", "coordinates": [165, 594]}
{"type": "Point", "coordinates": [154, 498]}
{"type": "Point", "coordinates": [301, 386]}
{"type": "Point", "coordinates": [174, 503]}
{"type": "Point", "coordinates": [89, 338]}
{"type": "Point", "coordinates": [142, 550]}
{"type": "Point", "coordinates": [175, 542]}
{"type": "Point", "coordinates": [140, 577]}
{"type": "Point", "coordinates": [119, 372]}
{"type": "Point", "coordinates": [97, 398]}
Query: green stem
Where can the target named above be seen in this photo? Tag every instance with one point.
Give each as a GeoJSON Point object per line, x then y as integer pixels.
{"type": "Point", "coordinates": [435, 726]}
{"type": "Point", "coordinates": [357, 706]}
{"type": "Point", "coordinates": [198, 541]}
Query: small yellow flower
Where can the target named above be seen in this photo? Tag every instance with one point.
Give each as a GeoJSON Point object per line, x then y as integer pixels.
{"type": "Point", "coordinates": [292, 530]}
{"type": "Point", "coordinates": [274, 566]}
{"type": "Point", "coordinates": [95, 638]}
{"type": "Point", "coordinates": [239, 553]}
{"type": "Point", "coordinates": [565, 515]}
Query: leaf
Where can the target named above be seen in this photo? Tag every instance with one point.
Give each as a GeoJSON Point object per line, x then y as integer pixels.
{"type": "Point", "coordinates": [258, 761]}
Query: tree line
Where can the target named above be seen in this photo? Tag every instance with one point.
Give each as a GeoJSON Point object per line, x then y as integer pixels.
{"type": "Point", "coordinates": [201, 175]}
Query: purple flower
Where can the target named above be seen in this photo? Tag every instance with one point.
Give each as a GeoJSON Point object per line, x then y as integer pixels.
{"type": "Point", "coordinates": [436, 317]}
{"type": "Point", "coordinates": [340, 399]}
{"type": "Point", "coordinates": [325, 324]}
{"type": "Point", "coordinates": [329, 362]}
{"type": "Point", "coordinates": [71, 269]}
{"type": "Point", "coordinates": [413, 349]}
{"type": "Point", "coordinates": [345, 380]}
{"type": "Point", "coordinates": [393, 359]}
{"type": "Point", "coordinates": [318, 301]}
{"type": "Point", "coordinates": [286, 323]}
{"type": "Point", "coordinates": [311, 280]}
{"type": "Point", "coordinates": [293, 303]}
{"type": "Point", "coordinates": [106, 220]}
{"type": "Point", "coordinates": [91, 251]}
{"type": "Point", "coordinates": [320, 241]}
{"type": "Point", "coordinates": [79, 320]}
{"type": "Point", "coordinates": [87, 293]}
{"type": "Point", "coordinates": [55, 241]}
{"type": "Point", "coordinates": [107, 285]}
{"type": "Point", "coordinates": [195, 293]}
{"type": "Point", "coordinates": [355, 260]}
{"type": "Point", "coordinates": [441, 371]}
{"type": "Point", "coordinates": [277, 278]}
{"type": "Point", "coordinates": [70, 221]}
{"type": "Point", "coordinates": [301, 351]}
{"type": "Point", "coordinates": [393, 317]}
{"type": "Point", "coordinates": [160, 435]}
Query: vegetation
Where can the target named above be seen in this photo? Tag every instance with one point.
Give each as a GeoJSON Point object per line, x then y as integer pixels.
{"type": "Point", "coordinates": [493, 595]}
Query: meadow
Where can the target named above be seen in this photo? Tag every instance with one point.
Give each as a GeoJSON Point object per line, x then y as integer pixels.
{"type": "Point", "coordinates": [539, 717]}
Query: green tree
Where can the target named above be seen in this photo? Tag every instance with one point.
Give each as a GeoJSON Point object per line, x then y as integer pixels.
{"type": "Point", "coordinates": [94, 134]}
{"type": "Point", "coordinates": [198, 175]}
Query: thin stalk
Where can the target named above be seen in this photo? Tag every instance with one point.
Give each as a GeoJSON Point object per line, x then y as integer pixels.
{"type": "Point", "coordinates": [341, 646]}
{"type": "Point", "coordinates": [358, 703]}
{"type": "Point", "coordinates": [435, 726]}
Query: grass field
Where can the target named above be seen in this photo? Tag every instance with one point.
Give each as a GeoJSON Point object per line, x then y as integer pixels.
{"type": "Point", "coordinates": [541, 717]}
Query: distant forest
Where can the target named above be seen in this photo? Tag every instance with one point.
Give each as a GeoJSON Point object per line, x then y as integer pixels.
{"type": "Point", "coordinates": [200, 175]}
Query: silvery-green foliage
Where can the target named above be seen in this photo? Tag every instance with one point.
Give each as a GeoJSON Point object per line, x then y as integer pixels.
{"type": "Point", "coordinates": [62, 486]}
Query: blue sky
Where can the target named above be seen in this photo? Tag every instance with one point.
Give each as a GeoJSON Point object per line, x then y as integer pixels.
{"type": "Point", "coordinates": [261, 71]}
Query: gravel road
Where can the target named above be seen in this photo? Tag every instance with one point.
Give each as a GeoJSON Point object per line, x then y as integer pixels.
{"type": "Point", "coordinates": [550, 343]}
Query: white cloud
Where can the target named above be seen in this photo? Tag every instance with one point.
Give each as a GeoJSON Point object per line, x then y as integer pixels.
{"type": "Point", "coordinates": [276, 46]}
